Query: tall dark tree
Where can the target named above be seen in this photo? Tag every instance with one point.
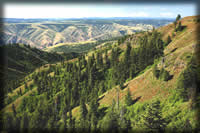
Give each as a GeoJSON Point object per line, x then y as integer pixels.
{"type": "Point", "coordinates": [153, 120]}
{"type": "Point", "coordinates": [178, 17]}
{"type": "Point", "coordinates": [83, 109]}
{"type": "Point", "coordinates": [127, 60]}
{"type": "Point", "coordinates": [14, 110]}
{"type": "Point", "coordinates": [168, 40]}
{"type": "Point", "coordinates": [107, 62]}
{"type": "Point", "coordinates": [128, 99]}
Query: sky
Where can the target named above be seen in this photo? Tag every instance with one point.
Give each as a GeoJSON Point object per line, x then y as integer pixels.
{"type": "Point", "coordinates": [13, 10]}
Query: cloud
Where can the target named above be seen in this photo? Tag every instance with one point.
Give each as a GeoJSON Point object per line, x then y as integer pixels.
{"type": "Point", "coordinates": [167, 14]}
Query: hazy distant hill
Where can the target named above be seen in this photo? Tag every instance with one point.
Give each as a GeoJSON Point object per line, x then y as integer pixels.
{"type": "Point", "coordinates": [43, 33]}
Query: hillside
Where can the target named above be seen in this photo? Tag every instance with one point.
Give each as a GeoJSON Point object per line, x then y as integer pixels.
{"type": "Point", "coordinates": [176, 57]}
{"type": "Point", "coordinates": [43, 34]}
{"type": "Point", "coordinates": [83, 47]}
{"type": "Point", "coordinates": [115, 87]}
{"type": "Point", "coordinates": [22, 60]}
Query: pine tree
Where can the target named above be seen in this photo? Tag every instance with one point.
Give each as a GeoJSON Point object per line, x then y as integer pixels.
{"type": "Point", "coordinates": [127, 54]}
{"type": "Point", "coordinates": [107, 63]}
{"type": "Point", "coordinates": [152, 120]}
{"type": "Point", "coordinates": [164, 75]}
{"type": "Point", "coordinates": [175, 23]}
{"type": "Point", "coordinates": [20, 91]}
{"type": "Point", "coordinates": [155, 71]}
{"type": "Point", "coordinates": [83, 109]}
{"type": "Point", "coordinates": [24, 123]}
{"type": "Point", "coordinates": [127, 61]}
{"type": "Point", "coordinates": [110, 123]}
{"type": "Point", "coordinates": [178, 17]}
{"type": "Point", "coordinates": [168, 40]}
{"type": "Point", "coordinates": [124, 123]}
{"type": "Point", "coordinates": [179, 28]}
{"type": "Point", "coordinates": [128, 99]}
{"type": "Point", "coordinates": [14, 110]}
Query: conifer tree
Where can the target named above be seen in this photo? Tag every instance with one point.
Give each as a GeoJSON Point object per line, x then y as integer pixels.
{"type": "Point", "coordinates": [83, 109]}
{"type": "Point", "coordinates": [153, 120]}
{"type": "Point", "coordinates": [168, 40]}
{"type": "Point", "coordinates": [179, 28]}
{"type": "Point", "coordinates": [24, 123]}
{"type": "Point", "coordinates": [14, 110]}
{"type": "Point", "coordinates": [155, 71]}
{"type": "Point", "coordinates": [20, 91]}
{"type": "Point", "coordinates": [128, 99]}
{"type": "Point", "coordinates": [106, 60]}
{"type": "Point", "coordinates": [178, 17]}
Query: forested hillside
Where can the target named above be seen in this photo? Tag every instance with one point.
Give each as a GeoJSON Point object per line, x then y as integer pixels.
{"type": "Point", "coordinates": [143, 82]}
{"type": "Point", "coordinates": [21, 60]}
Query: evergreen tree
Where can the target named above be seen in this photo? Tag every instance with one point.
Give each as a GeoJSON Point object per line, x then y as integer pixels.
{"type": "Point", "coordinates": [93, 113]}
{"type": "Point", "coordinates": [152, 120]}
{"type": "Point", "coordinates": [128, 99]}
{"type": "Point", "coordinates": [14, 110]}
{"type": "Point", "coordinates": [110, 123]}
{"type": "Point", "coordinates": [178, 17]}
{"type": "Point", "coordinates": [179, 28]}
{"type": "Point", "coordinates": [107, 63]}
{"type": "Point", "coordinates": [127, 60]}
{"type": "Point", "coordinates": [84, 112]}
{"type": "Point", "coordinates": [155, 71]}
{"type": "Point", "coordinates": [175, 23]}
{"type": "Point", "coordinates": [20, 91]}
{"type": "Point", "coordinates": [168, 40]}
{"type": "Point", "coordinates": [25, 123]}
{"type": "Point", "coordinates": [124, 123]}
{"type": "Point", "coordinates": [8, 123]}
{"type": "Point", "coordinates": [164, 75]}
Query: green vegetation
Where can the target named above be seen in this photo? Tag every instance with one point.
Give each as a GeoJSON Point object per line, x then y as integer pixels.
{"type": "Point", "coordinates": [128, 99]}
{"type": "Point", "coordinates": [22, 60]}
{"type": "Point", "coordinates": [153, 120]}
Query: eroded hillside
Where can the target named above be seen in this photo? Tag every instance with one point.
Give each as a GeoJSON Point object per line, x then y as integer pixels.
{"type": "Point", "coordinates": [49, 33]}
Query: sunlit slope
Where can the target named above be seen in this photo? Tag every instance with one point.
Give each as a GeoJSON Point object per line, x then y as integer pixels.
{"type": "Point", "coordinates": [176, 56]}
{"type": "Point", "coordinates": [146, 86]}
{"type": "Point", "coordinates": [43, 35]}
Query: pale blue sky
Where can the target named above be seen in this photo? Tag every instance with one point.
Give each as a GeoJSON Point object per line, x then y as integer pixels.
{"type": "Point", "coordinates": [97, 10]}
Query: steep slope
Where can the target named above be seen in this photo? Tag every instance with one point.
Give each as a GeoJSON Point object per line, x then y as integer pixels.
{"type": "Point", "coordinates": [176, 57]}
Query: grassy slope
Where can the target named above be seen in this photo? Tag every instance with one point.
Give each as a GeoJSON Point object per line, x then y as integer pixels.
{"type": "Point", "coordinates": [175, 62]}
{"type": "Point", "coordinates": [64, 44]}
{"type": "Point", "coordinates": [146, 87]}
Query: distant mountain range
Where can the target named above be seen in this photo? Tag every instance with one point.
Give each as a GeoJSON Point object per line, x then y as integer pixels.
{"type": "Point", "coordinates": [42, 33]}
